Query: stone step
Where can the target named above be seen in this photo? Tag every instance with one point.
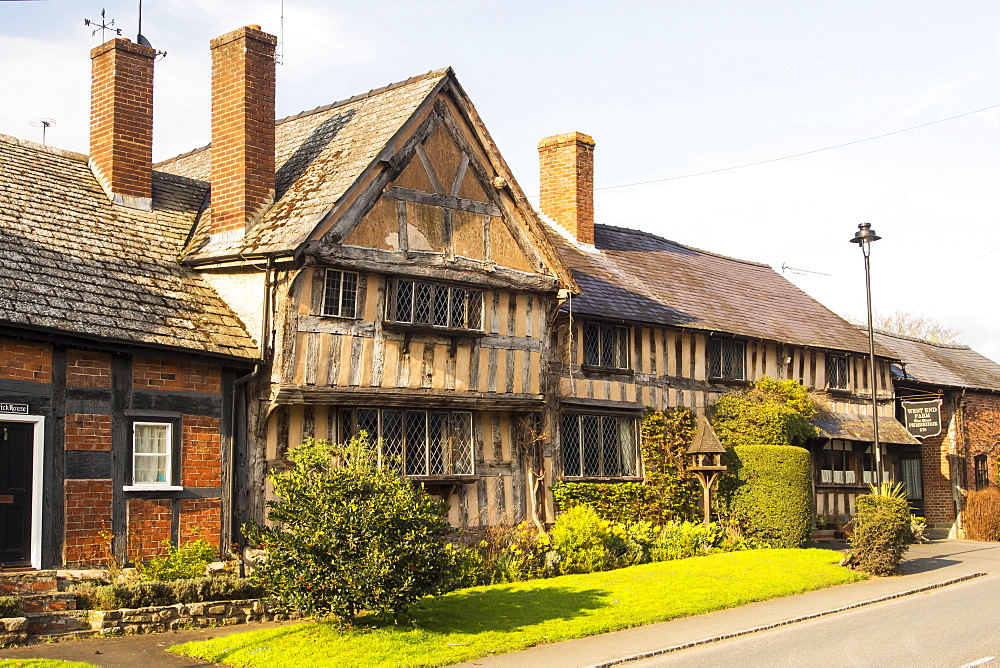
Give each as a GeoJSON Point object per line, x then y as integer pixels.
{"type": "Point", "coordinates": [48, 623]}
{"type": "Point", "coordinates": [52, 602]}
{"type": "Point", "coordinates": [28, 582]}
{"type": "Point", "coordinates": [13, 631]}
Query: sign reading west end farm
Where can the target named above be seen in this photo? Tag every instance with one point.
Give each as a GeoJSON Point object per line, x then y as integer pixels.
{"type": "Point", "coordinates": [922, 418]}
{"type": "Point", "coordinates": [20, 409]}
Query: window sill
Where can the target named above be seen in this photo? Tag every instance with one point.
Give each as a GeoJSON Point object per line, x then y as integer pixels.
{"type": "Point", "coordinates": [153, 488]}
{"type": "Point", "coordinates": [432, 329]}
{"type": "Point", "coordinates": [602, 479]}
{"type": "Point", "coordinates": [595, 368]}
{"type": "Point", "coordinates": [728, 381]}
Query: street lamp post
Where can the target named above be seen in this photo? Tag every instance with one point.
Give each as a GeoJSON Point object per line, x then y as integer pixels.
{"type": "Point", "coordinates": [864, 238]}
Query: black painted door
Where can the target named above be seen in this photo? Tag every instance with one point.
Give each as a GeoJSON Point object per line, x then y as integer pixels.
{"type": "Point", "coordinates": [15, 492]}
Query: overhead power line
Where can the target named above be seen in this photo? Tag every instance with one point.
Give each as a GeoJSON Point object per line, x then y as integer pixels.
{"type": "Point", "coordinates": [798, 155]}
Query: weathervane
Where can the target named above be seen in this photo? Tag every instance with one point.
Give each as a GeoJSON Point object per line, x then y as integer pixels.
{"type": "Point", "coordinates": [103, 26]}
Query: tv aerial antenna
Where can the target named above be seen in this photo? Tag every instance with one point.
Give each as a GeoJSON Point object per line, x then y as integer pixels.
{"type": "Point", "coordinates": [800, 272]}
{"type": "Point", "coordinates": [43, 123]}
{"type": "Point", "coordinates": [103, 26]}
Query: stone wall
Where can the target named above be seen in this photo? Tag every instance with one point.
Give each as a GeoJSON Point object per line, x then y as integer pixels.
{"type": "Point", "coordinates": [185, 615]}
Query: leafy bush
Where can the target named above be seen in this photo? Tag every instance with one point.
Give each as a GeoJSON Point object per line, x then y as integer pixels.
{"type": "Point", "coordinates": [680, 540]}
{"type": "Point", "coordinates": [95, 596]}
{"type": "Point", "coordinates": [585, 542]}
{"type": "Point", "coordinates": [768, 494]}
{"type": "Point", "coordinates": [179, 563]}
{"type": "Point", "coordinates": [350, 535]}
{"type": "Point", "coordinates": [881, 530]}
{"type": "Point", "coordinates": [981, 515]}
{"type": "Point", "coordinates": [11, 606]}
{"type": "Point", "coordinates": [770, 412]}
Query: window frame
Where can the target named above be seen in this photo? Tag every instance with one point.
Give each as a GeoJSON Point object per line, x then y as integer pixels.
{"type": "Point", "coordinates": [172, 468]}
{"type": "Point", "coordinates": [457, 426]}
{"type": "Point", "coordinates": [617, 356]}
{"type": "Point", "coordinates": [325, 302]}
{"type": "Point", "coordinates": [981, 471]}
{"type": "Point", "coordinates": [839, 460]}
{"type": "Point", "coordinates": [580, 448]}
{"type": "Point", "coordinates": [842, 369]}
{"type": "Point", "coordinates": [431, 314]}
{"type": "Point", "coordinates": [716, 355]}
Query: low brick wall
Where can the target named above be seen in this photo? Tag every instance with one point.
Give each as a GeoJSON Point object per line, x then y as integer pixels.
{"type": "Point", "coordinates": [157, 619]}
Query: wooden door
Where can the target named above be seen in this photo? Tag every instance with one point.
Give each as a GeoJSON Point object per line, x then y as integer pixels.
{"type": "Point", "coordinates": [15, 492]}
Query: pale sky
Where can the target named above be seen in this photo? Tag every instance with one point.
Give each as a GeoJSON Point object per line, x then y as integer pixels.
{"type": "Point", "coordinates": [666, 89]}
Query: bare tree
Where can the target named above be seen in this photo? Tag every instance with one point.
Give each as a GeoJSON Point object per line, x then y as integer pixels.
{"type": "Point", "coordinates": [914, 325]}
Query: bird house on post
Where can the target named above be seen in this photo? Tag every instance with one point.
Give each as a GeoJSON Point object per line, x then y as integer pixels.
{"type": "Point", "coordinates": [705, 460]}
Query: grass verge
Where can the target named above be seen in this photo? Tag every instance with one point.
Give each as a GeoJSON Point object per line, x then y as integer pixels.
{"type": "Point", "coordinates": [481, 621]}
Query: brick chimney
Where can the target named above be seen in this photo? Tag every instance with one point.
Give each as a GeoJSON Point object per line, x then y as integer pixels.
{"type": "Point", "coordinates": [121, 121]}
{"type": "Point", "coordinates": [242, 129]}
{"type": "Point", "coordinates": [566, 164]}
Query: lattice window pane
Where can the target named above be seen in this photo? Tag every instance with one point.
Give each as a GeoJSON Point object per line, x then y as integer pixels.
{"type": "Point", "coordinates": [715, 359]}
{"type": "Point", "coordinates": [727, 359]}
{"type": "Point", "coordinates": [607, 345]}
{"type": "Point", "coordinates": [368, 424]}
{"type": "Point", "coordinates": [611, 446]}
{"type": "Point", "coordinates": [422, 303]}
{"type": "Point", "coordinates": [441, 305]}
{"type": "Point", "coordinates": [416, 443]}
{"type": "Point", "coordinates": [331, 295]}
{"type": "Point", "coordinates": [437, 443]}
{"type": "Point", "coordinates": [404, 301]}
{"type": "Point", "coordinates": [592, 344]}
{"type": "Point", "coordinates": [591, 445]}
{"type": "Point", "coordinates": [392, 438]}
{"type": "Point", "coordinates": [349, 295]}
{"type": "Point", "coordinates": [475, 309]}
{"type": "Point", "coordinates": [621, 347]}
{"type": "Point", "coordinates": [458, 307]}
{"type": "Point", "coordinates": [626, 438]}
{"type": "Point", "coordinates": [571, 445]}
{"type": "Point", "coordinates": [462, 443]}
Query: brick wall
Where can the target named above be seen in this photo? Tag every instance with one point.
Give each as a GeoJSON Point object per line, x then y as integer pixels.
{"type": "Point", "coordinates": [566, 167]}
{"type": "Point", "coordinates": [242, 128]}
{"type": "Point", "coordinates": [201, 452]}
{"type": "Point", "coordinates": [159, 374]}
{"type": "Point", "coordinates": [88, 432]}
{"type": "Point", "coordinates": [982, 435]}
{"type": "Point", "coordinates": [21, 360]}
{"type": "Point", "coordinates": [200, 518]}
{"type": "Point", "coordinates": [88, 513]}
{"type": "Point", "coordinates": [939, 508]}
{"type": "Point", "coordinates": [149, 523]}
{"type": "Point", "coordinates": [87, 369]}
{"type": "Point", "coordinates": [121, 117]}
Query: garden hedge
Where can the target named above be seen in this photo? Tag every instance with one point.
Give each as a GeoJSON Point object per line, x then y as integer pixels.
{"type": "Point", "coordinates": [768, 493]}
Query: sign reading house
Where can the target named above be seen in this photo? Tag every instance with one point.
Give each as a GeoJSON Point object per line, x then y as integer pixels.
{"type": "Point", "coordinates": [20, 409]}
{"type": "Point", "coordinates": [922, 418]}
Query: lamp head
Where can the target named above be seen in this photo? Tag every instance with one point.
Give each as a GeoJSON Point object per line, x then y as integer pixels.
{"type": "Point", "coordinates": [865, 234]}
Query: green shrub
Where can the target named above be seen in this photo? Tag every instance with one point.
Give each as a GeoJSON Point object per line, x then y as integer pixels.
{"type": "Point", "coordinates": [981, 515]}
{"type": "Point", "coordinates": [770, 412]}
{"type": "Point", "coordinates": [881, 530]}
{"type": "Point", "coordinates": [612, 501]}
{"type": "Point", "coordinates": [94, 596]}
{"type": "Point", "coordinates": [350, 537]}
{"type": "Point", "coordinates": [585, 542]}
{"type": "Point", "coordinates": [768, 494]}
{"type": "Point", "coordinates": [11, 606]}
{"type": "Point", "coordinates": [680, 540]}
{"type": "Point", "coordinates": [179, 563]}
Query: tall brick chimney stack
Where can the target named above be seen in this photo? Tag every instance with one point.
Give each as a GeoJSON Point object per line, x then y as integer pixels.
{"type": "Point", "coordinates": [242, 128]}
{"type": "Point", "coordinates": [566, 164]}
{"type": "Point", "coordinates": [121, 121]}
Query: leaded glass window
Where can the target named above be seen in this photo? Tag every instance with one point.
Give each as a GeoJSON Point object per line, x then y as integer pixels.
{"type": "Point", "coordinates": [837, 377]}
{"type": "Point", "coordinates": [601, 446]}
{"type": "Point", "coordinates": [340, 293]}
{"type": "Point", "coordinates": [727, 359]}
{"type": "Point", "coordinates": [605, 344]}
{"type": "Point", "coordinates": [420, 443]}
{"type": "Point", "coordinates": [435, 305]}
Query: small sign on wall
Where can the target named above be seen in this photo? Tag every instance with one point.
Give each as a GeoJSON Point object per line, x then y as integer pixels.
{"type": "Point", "coordinates": [18, 409]}
{"type": "Point", "coordinates": [922, 418]}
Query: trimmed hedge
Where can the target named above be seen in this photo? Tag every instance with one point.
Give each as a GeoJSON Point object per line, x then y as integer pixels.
{"type": "Point", "coordinates": [881, 533]}
{"type": "Point", "coordinates": [146, 593]}
{"type": "Point", "coordinates": [768, 493]}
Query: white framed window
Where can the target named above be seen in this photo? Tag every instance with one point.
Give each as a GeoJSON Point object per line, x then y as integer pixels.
{"type": "Point", "coordinates": [838, 463]}
{"type": "Point", "coordinates": [837, 377]}
{"type": "Point", "coordinates": [340, 293]}
{"type": "Point", "coordinates": [435, 305]}
{"type": "Point", "coordinates": [152, 456]}
{"type": "Point", "coordinates": [727, 359]}
{"type": "Point", "coordinates": [599, 446]}
{"type": "Point", "coordinates": [606, 345]}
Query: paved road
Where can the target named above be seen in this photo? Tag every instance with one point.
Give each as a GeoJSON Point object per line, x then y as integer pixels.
{"type": "Point", "coordinates": [952, 626]}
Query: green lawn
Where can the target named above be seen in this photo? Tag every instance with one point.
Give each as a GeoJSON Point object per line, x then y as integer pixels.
{"type": "Point", "coordinates": [481, 621]}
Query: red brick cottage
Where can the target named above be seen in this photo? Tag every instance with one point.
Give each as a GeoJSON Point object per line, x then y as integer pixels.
{"type": "Point", "coordinates": [119, 368]}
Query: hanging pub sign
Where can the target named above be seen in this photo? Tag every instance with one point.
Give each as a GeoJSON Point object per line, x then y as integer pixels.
{"type": "Point", "coordinates": [20, 409]}
{"type": "Point", "coordinates": [922, 418]}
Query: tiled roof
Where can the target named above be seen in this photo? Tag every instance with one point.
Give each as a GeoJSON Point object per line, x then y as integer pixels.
{"type": "Point", "coordinates": [318, 156]}
{"type": "Point", "coordinates": [638, 276]}
{"type": "Point", "coordinates": [73, 262]}
{"type": "Point", "coordinates": [941, 364]}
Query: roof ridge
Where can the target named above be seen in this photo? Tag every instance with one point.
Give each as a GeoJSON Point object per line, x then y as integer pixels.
{"type": "Point", "coordinates": [27, 143]}
{"type": "Point", "coordinates": [915, 339]}
{"type": "Point", "coordinates": [680, 245]}
{"type": "Point", "coordinates": [442, 71]}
